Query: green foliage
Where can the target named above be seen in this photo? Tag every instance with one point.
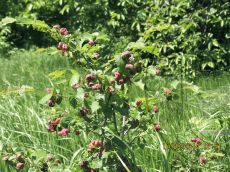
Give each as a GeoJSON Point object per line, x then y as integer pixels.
{"type": "Point", "coordinates": [4, 32]}
{"type": "Point", "coordinates": [190, 36]}
{"type": "Point", "coordinates": [179, 36]}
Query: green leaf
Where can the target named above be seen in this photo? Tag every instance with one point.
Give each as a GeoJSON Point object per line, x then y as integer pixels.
{"type": "Point", "coordinates": [215, 43]}
{"type": "Point", "coordinates": [80, 93]}
{"type": "Point", "coordinates": [136, 45]}
{"type": "Point", "coordinates": [95, 106]}
{"type": "Point", "coordinates": [8, 20]}
{"type": "Point", "coordinates": [140, 84]}
{"type": "Point", "coordinates": [75, 79]}
{"type": "Point", "coordinates": [45, 99]}
{"type": "Point", "coordinates": [73, 102]}
{"type": "Point", "coordinates": [57, 74]}
{"type": "Point", "coordinates": [97, 164]}
{"type": "Point", "coordinates": [211, 64]}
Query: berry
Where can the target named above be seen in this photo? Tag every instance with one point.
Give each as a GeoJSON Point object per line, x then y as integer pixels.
{"type": "Point", "coordinates": [117, 76]}
{"type": "Point", "coordinates": [127, 78]}
{"type": "Point", "coordinates": [55, 122]}
{"type": "Point", "coordinates": [91, 43]}
{"type": "Point", "coordinates": [76, 86]}
{"type": "Point", "coordinates": [157, 127]}
{"type": "Point", "coordinates": [91, 77]}
{"type": "Point", "coordinates": [84, 111]}
{"type": "Point", "coordinates": [168, 92]}
{"type": "Point", "coordinates": [59, 46]}
{"type": "Point", "coordinates": [129, 67]}
{"type": "Point", "coordinates": [77, 132]}
{"type": "Point", "coordinates": [52, 128]}
{"type": "Point", "coordinates": [110, 89]}
{"type": "Point", "coordinates": [86, 95]}
{"type": "Point", "coordinates": [202, 160]}
{"type": "Point", "coordinates": [64, 47]}
{"type": "Point", "coordinates": [196, 140]}
{"type": "Point", "coordinates": [84, 164]}
{"type": "Point", "coordinates": [155, 109]}
{"type": "Point", "coordinates": [19, 165]}
{"type": "Point", "coordinates": [63, 132]}
{"type": "Point", "coordinates": [95, 144]}
{"type": "Point", "coordinates": [63, 31]}
{"type": "Point", "coordinates": [96, 87]}
{"type": "Point", "coordinates": [96, 55]}
{"type": "Point", "coordinates": [126, 54]}
{"type": "Point", "coordinates": [121, 81]}
{"type": "Point", "coordinates": [90, 84]}
{"type": "Point", "coordinates": [158, 72]}
{"type": "Point", "coordinates": [51, 103]}
{"type": "Point", "coordinates": [138, 102]}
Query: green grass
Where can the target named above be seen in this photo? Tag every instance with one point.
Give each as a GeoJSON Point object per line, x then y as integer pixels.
{"type": "Point", "coordinates": [23, 121]}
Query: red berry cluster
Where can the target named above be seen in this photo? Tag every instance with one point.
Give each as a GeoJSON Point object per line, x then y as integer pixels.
{"type": "Point", "coordinates": [168, 92]}
{"type": "Point", "coordinates": [62, 46]}
{"type": "Point", "coordinates": [51, 103]}
{"type": "Point", "coordinates": [95, 144]}
{"type": "Point", "coordinates": [84, 111]}
{"type": "Point", "coordinates": [196, 140]}
{"type": "Point", "coordinates": [157, 127]}
{"type": "Point", "coordinates": [202, 160]}
{"type": "Point", "coordinates": [61, 30]}
{"type": "Point", "coordinates": [120, 79]}
{"type": "Point", "coordinates": [64, 132]}
{"type": "Point", "coordinates": [16, 159]}
{"type": "Point", "coordinates": [91, 43]}
{"type": "Point", "coordinates": [52, 125]}
{"type": "Point", "coordinates": [91, 78]}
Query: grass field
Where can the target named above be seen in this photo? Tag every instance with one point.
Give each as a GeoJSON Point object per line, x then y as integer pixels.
{"type": "Point", "coordinates": [204, 114]}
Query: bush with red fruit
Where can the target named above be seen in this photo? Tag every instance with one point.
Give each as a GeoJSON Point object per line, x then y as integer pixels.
{"type": "Point", "coordinates": [120, 102]}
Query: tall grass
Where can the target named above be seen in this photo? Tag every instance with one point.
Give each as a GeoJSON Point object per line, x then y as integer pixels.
{"type": "Point", "coordinates": [23, 122]}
